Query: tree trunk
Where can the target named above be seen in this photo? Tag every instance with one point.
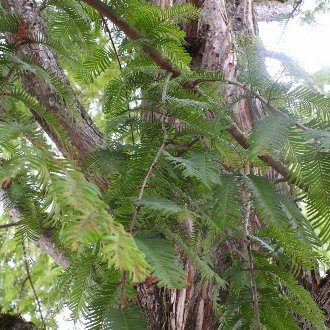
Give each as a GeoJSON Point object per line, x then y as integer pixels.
{"type": "Point", "coordinates": [83, 134]}
{"type": "Point", "coordinates": [212, 44]}
{"type": "Point", "coordinates": [211, 41]}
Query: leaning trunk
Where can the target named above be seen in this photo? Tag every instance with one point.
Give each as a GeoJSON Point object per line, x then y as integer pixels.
{"type": "Point", "coordinates": [81, 137]}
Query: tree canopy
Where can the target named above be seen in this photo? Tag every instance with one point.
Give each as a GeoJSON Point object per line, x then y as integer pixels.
{"type": "Point", "coordinates": [127, 166]}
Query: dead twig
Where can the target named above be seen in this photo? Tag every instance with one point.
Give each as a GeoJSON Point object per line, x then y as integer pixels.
{"type": "Point", "coordinates": [28, 274]}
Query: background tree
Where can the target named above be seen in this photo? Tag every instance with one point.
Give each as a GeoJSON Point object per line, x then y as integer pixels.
{"type": "Point", "coordinates": [181, 205]}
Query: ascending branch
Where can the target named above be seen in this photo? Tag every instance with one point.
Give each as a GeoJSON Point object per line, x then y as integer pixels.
{"type": "Point", "coordinates": [265, 102]}
{"type": "Point", "coordinates": [130, 31]}
{"type": "Point", "coordinates": [150, 172]}
{"type": "Point", "coordinates": [165, 64]}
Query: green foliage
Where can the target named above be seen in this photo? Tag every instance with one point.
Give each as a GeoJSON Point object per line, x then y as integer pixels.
{"type": "Point", "coordinates": [225, 203]}
{"type": "Point", "coordinates": [269, 134]}
{"type": "Point", "coordinates": [128, 318]}
{"type": "Point", "coordinates": [177, 195]}
{"type": "Point", "coordinates": [9, 22]}
{"type": "Point", "coordinates": [311, 166]}
{"type": "Point", "coordinates": [161, 256]}
{"type": "Point", "coordinates": [203, 167]}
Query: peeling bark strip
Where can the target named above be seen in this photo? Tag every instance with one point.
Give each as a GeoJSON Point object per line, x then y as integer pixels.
{"type": "Point", "coordinates": [82, 132]}
{"type": "Point", "coordinates": [186, 309]}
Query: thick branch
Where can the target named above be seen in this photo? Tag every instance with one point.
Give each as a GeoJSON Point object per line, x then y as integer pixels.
{"type": "Point", "coordinates": [163, 63]}
{"type": "Point", "coordinates": [133, 34]}
{"type": "Point", "coordinates": [106, 28]}
{"type": "Point", "coordinates": [266, 157]}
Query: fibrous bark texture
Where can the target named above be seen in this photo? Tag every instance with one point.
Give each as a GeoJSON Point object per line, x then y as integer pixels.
{"type": "Point", "coordinates": [82, 133]}
{"type": "Point", "coordinates": [212, 44]}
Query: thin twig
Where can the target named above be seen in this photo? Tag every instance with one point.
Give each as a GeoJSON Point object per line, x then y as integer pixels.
{"type": "Point", "coordinates": [120, 68]}
{"type": "Point", "coordinates": [42, 6]}
{"type": "Point", "coordinates": [188, 146]}
{"type": "Point", "coordinates": [166, 65]}
{"type": "Point", "coordinates": [7, 225]}
{"type": "Point", "coordinates": [156, 159]}
{"type": "Point", "coordinates": [106, 27]}
{"type": "Point", "coordinates": [265, 102]}
{"type": "Point", "coordinates": [281, 57]}
{"type": "Point", "coordinates": [299, 199]}
{"type": "Point", "coordinates": [8, 78]}
{"type": "Point", "coordinates": [150, 172]}
{"type": "Point", "coordinates": [32, 286]}
{"type": "Point", "coordinates": [21, 292]}
{"type": "Point", "coordinates": [297, 4]}
{"type": "Point", "coordinates": [146, 179]}
{"type": "Point", "coordinates": [279, 180]}
{"type": "Point", "coordinates": [247, 241]}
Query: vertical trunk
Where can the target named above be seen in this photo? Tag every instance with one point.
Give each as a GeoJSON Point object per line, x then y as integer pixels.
{"type": "Point", "coordinates": [211, 42]}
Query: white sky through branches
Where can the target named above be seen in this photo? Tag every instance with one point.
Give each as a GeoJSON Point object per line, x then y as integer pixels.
{"type": "Point", "coordinates": [306, 43]}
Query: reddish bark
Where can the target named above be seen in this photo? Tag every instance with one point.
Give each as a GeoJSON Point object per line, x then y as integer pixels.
{"type": "Point", "coordinates": [83, 134]}
{"type": "Point", "coordinates": [211, 42]}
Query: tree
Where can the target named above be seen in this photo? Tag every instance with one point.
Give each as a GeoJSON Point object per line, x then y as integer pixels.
{"type": "Point", "coordinates": [182, 205]}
